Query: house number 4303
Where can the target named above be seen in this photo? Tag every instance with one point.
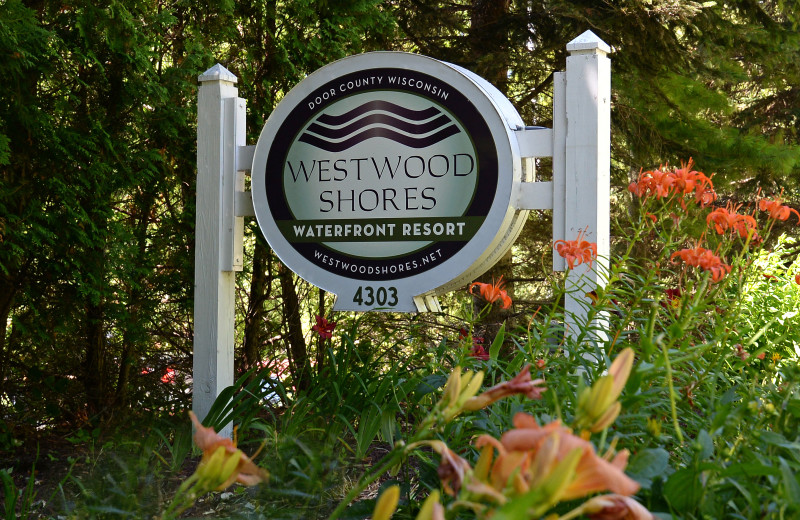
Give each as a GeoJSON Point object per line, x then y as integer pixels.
{"type": "Point", "coordinates": [382, 296]}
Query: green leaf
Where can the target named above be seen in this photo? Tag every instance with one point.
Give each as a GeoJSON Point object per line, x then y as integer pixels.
{"type": "Point", "coordinates": [683, 490]}
{"type": "Point", "coordinates": [793, 407]}
{"type": "Point", "coordinates": [388, 426]}
{"type": "Point", "coordinates": [749, 470]}
{"type": "Point", "coordinates": [430, 384]}
{"type": "Point", "coordinates": [730, 395]}
{"type": "Point", "coordinates": [10, 492]}
{"type": "Point", "coordinates": [494, 350]}
{"type": "Point", "coordinates": [675, 331]}
{"type": "Point", "coordinates": [648, 464]}
{"type": "Point", "coordinates": [776, 439]}
{"type": "Point", "coordinates": [520, 507]}
{"type": "Point", "coordinates": [706, 444]}
{"type": "Point", "coordinates": [790, 485]}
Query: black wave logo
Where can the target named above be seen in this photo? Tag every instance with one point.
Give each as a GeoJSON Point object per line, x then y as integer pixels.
{"type": "Point", "coordinates": [416, 129]}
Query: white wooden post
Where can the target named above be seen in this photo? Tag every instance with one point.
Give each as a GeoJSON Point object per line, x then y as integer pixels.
{"type": "Point", "coordinates": [218, 235]}
{"type": "Point", "coordinates": [579, 194]}
{"type": "Point", "coordinates": [586, 171]}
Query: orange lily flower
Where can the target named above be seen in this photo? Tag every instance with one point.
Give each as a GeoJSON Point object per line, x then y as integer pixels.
{"type": "Point", "coordinates": [797, 278]}
{"type": "Point", "coordinates": [521, 384]}
{"type": "Point", "coordinates": [492, 292]}
{"type": "Point", "coordinates": [776, 209]}
{"type": "Point", "coordinates": [654, 182]}
{"type": "Point", "coordinates": [209, 441]}
{"type": "Point", "coordinates": [727, 218]}
{"type": "Point", "coordinates": [681, 181]}
{"type": "Point", "coordinates": [616, 507]}
{"type": "Point", "coordinates": [689, 180]}
{"type": "Point", "coordinates": [686, 180]}
{"type": "Point", "coordinates": [706, 260]}
{"type": "Point", "coordinates": [577, 251]}
{"type": "Point", "coordinates": [528, 455]}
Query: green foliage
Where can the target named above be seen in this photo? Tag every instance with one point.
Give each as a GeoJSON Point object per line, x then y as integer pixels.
{"type": "Point", "coordinates": [770, 301]}
{"type": "Point", "coordinates": [14, 496]}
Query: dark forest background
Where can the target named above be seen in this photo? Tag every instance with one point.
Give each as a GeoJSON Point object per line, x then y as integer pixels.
{"type": "Point", "coordinates": [97, 162]}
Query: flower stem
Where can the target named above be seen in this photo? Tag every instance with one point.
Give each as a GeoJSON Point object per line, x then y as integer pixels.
{"type": "Point", "coordinates": [668, 368]}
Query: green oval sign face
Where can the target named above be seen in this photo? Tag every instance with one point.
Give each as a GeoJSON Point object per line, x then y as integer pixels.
{"type": "Point", "coordinates": [404, 172]}
{"type": "Point", "coordinates": [374, 172]}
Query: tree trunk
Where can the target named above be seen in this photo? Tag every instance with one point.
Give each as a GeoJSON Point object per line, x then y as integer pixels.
{"type": "Point", "coordinates": [298, 352]}
{"type": "Point", "coordinates": [321, 342]}
{"type": "Point", "coordinates": [7, 292]}
{"type": "Point", "coordinates": [94, 365]}
{"type": "Point", "coordinates": [134, 338]}
{"type": "Point", "coordinates": [488, 42]}
{"type": "Point", "coordinates": [260, 285]}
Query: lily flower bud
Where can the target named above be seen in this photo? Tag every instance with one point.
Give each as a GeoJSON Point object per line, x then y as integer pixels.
{"type": "Point", "coordinates": [460, 388]}
{"type": "Point", "coordinates": [387, 503]}
{"type": "Point", "coordinates": [598, 406]}
{"type": "Point", "coordinates": [211, 469]}
{"type": "Point", "coordinates": [431, 508]}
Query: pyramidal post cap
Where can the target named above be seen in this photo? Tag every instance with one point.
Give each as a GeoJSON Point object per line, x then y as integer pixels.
{"type": "Point", "coordinates": [218, 73]}
{"type": "Point", "coordinates": [588, 42]}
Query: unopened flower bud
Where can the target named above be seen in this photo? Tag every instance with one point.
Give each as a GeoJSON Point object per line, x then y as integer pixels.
{"type": "Point", "coordinates": [387, 503]}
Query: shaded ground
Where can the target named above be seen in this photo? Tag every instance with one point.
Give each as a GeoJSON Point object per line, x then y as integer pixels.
{"type": "Point", "coordinates": [65, 471]}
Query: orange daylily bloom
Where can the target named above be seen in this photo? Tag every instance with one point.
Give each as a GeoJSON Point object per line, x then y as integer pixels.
{"type": "Point", "coordinates": [797, 278]}
{"type": "Point", "coordinates": [776, 209]}
{"type": "Point", "coordinates": [492, 292]}
{"type": "Point", "coordinates": [706, 260]}
{"type": "Point", "coordinates": [209, 441]}
{"type": "Point", "coordinates": [521, 384]}
{"type": "Point", "coordinates": [654, 182]}
{"type": "Point", "coordinates": [528, 454]}
{"type": "Point", "coordinates": [681, 181]}
{"type": "Point", "coordinates": [616, 507]}
{"type": "Point", "coordinates": [701, 184]}
{"type": "Point", "coordinates": [577, 251]}
{"type": "Point", "coordinates": [727, 219]}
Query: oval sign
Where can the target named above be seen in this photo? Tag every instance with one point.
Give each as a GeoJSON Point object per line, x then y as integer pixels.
{"type": "Point", "coordinates": [385, 176]}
